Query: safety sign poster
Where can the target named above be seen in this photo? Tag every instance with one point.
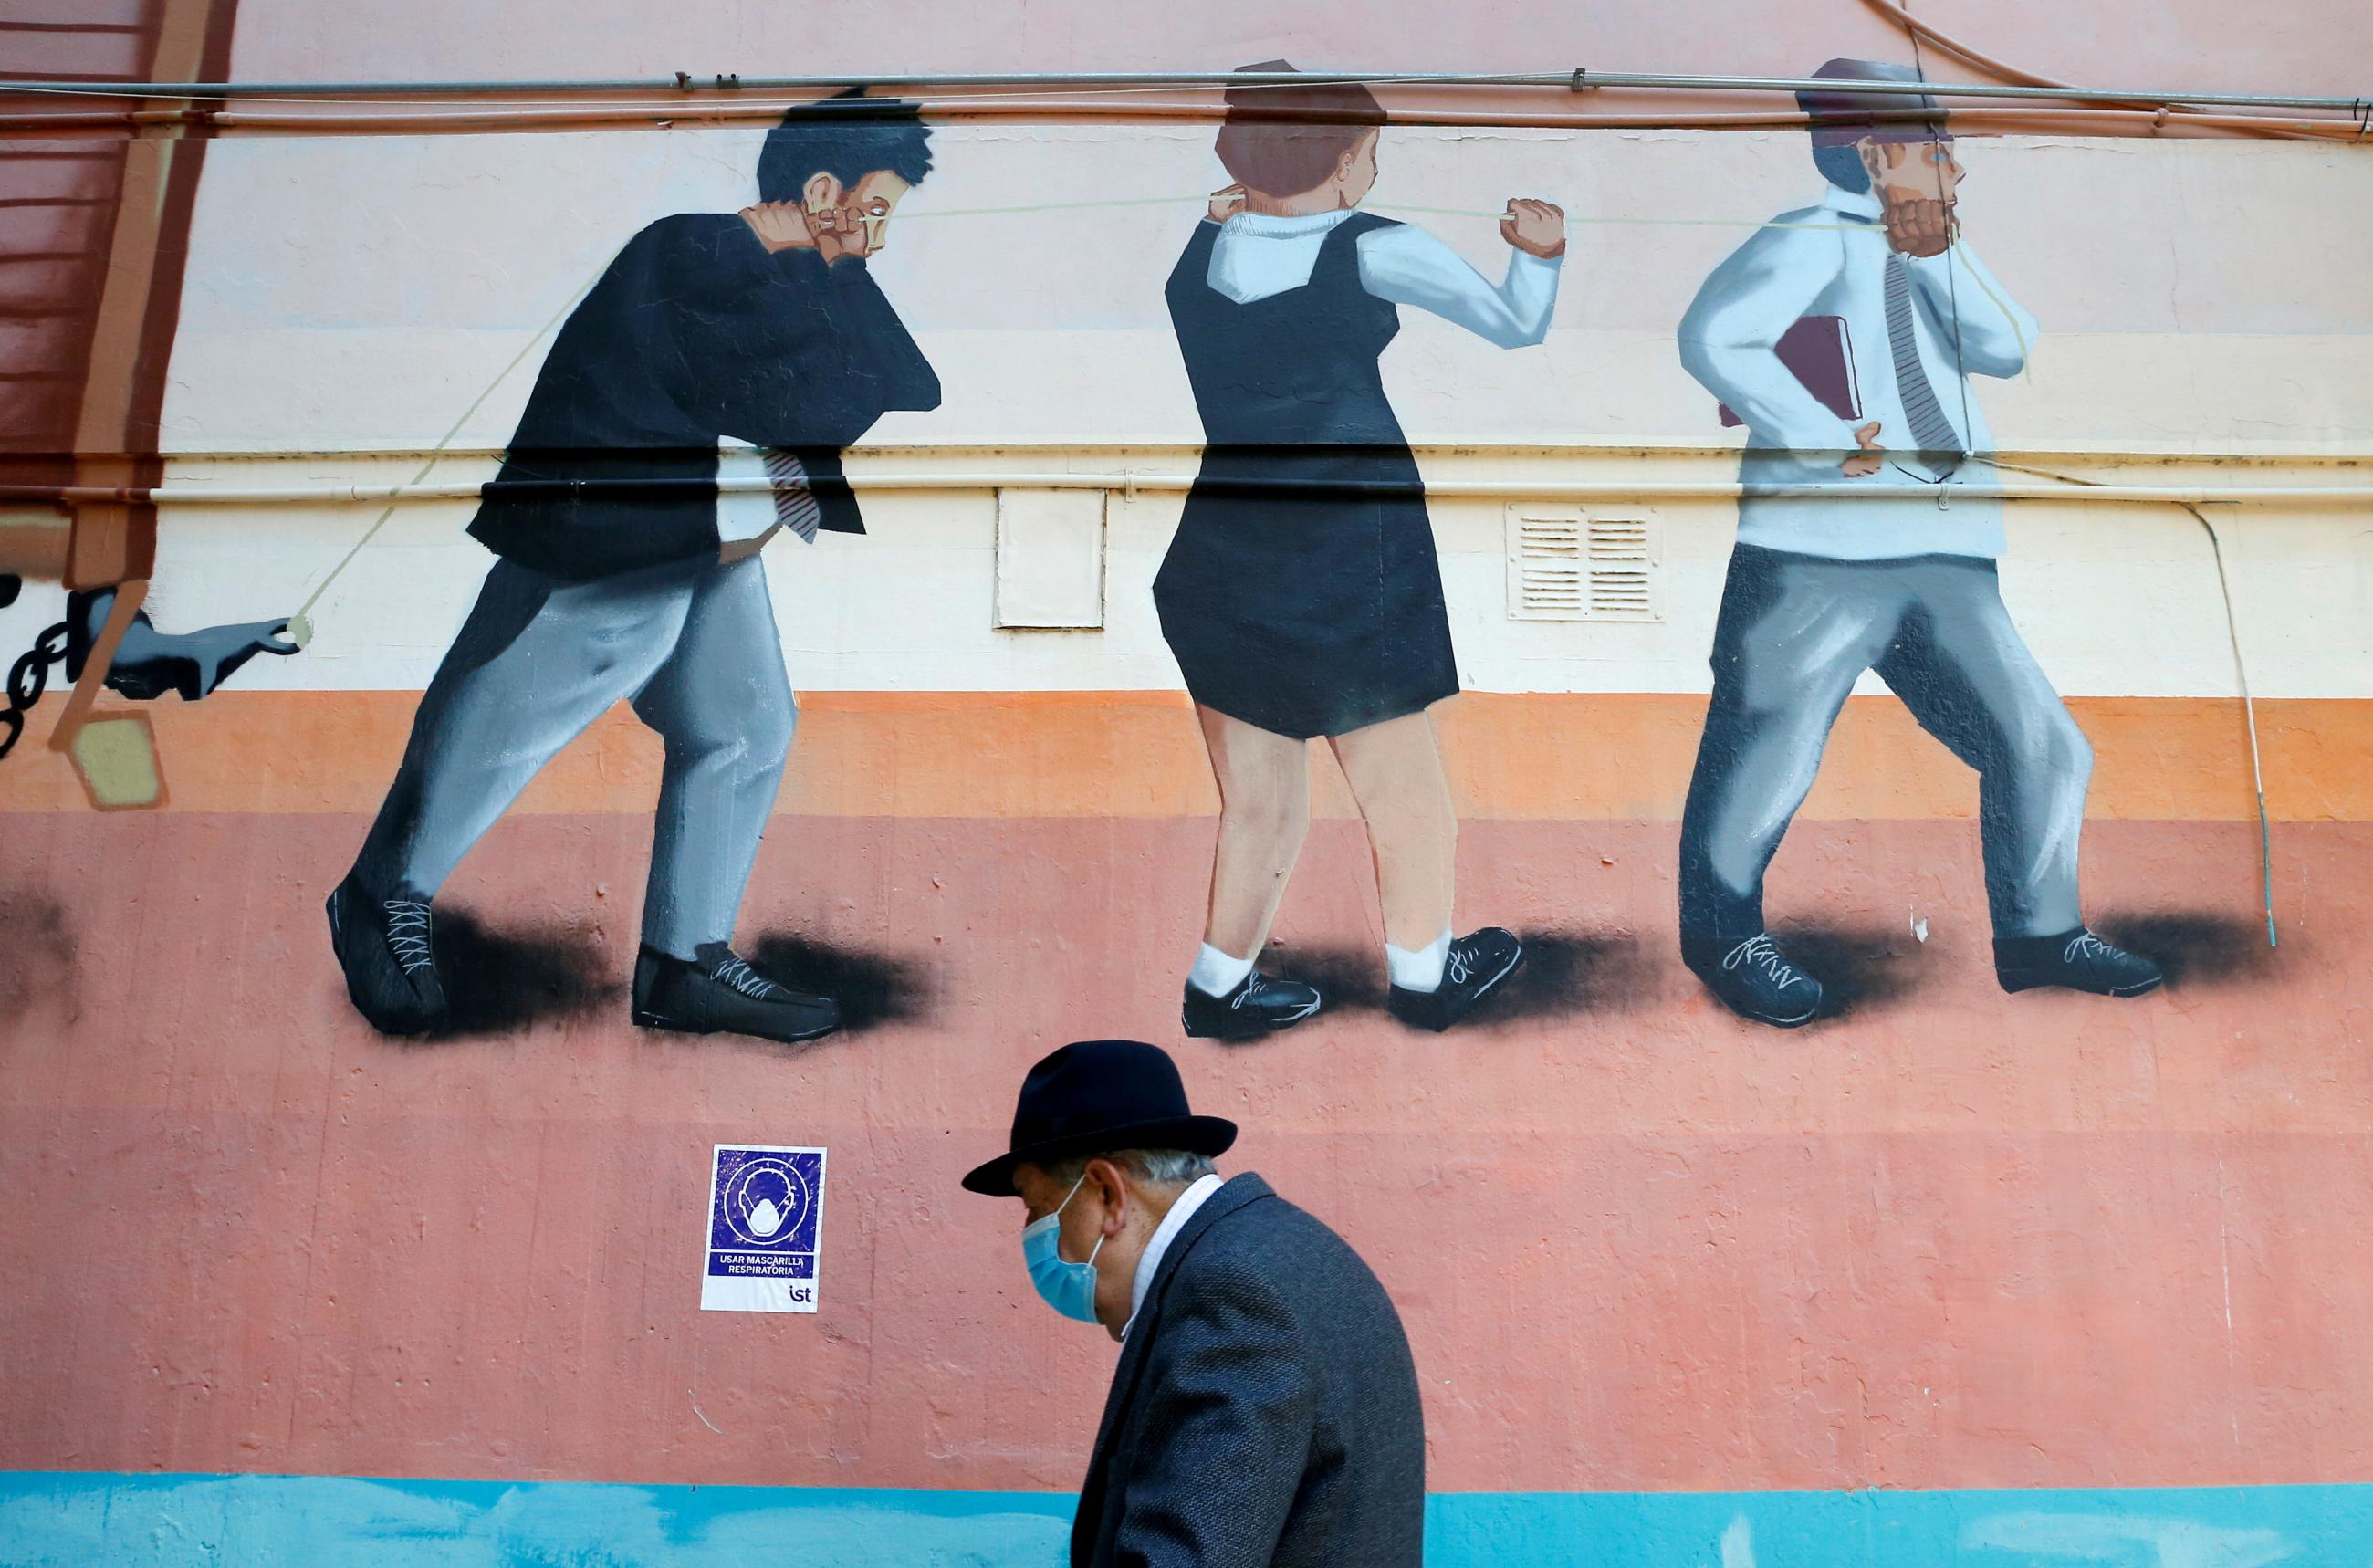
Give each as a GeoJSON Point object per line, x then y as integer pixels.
{"type": "Point", "coordinates": [765, 1221]}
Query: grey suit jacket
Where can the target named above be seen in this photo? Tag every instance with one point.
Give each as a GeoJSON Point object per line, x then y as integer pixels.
{"type": "Point", "coordinates": [1265, 1410]}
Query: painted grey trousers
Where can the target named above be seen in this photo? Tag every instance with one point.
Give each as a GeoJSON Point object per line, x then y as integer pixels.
{"type": "Point", "coordinates": [1794, 634]}
{"type": "Point", "coordinates": [692, 646]}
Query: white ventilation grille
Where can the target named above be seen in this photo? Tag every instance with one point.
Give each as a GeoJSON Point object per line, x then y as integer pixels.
{"type": "Point", "coordinates": [1548, 578]}
{"type": "Point", "coordinates": [1571, 567]}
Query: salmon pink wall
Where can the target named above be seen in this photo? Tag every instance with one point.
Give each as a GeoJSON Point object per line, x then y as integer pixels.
{"type": "Point", "coordinates": [1951, 1277]}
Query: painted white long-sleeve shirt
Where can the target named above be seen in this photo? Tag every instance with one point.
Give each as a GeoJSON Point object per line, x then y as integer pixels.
{"type": "Point", "coordinates": [746, 515]}
{"type": "Point", "coordinates": [1964, 324]}
{"type": "Point", "coordinates": [1256, 256]}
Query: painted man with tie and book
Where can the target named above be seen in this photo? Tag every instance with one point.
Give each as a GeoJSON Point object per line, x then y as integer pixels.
{"type": "Point", "coordinates": [1842, 336]}
{"type": "Point", "coordinates": [751, 343]}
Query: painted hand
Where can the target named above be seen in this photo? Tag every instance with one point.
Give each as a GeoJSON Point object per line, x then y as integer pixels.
{"type": "Point", "coordinates": [841, 232]}
{"type": "Point", "coordinates": [781, 226]}
{"type": "Point", "coordinates": [1866, 463]}
{"type": "Point", "coordinates": [151, 663]}
{"type": "Point", "coordinates": [1226, 204]}
{"type": "Point", "coordinates": [1921, 226]}
{"type": "Point", "coordinates": [734, 550]}
{"type": "Point", "coordinates": [1537, 228]}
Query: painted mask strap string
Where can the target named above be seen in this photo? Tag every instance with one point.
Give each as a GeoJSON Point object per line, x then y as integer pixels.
{"type": "Point", "coordinates": [1200, 198]}
{"type": "Point", "coordinates": [2026, 355]}
{"type": "Point", "coordinates": [300, 625]}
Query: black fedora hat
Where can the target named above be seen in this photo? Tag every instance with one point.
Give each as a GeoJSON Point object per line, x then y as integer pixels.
{"type": "Point", "coordinates": [1095, 1096]}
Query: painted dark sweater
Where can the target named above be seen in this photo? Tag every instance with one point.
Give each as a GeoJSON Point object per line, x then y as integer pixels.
{"type": "Point", "coordinates": [696, 331]}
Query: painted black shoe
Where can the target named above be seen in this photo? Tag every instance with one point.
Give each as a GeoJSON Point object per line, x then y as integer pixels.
{"type": "Point", "coordinates": [1754, 979]}
{"type": "Point", "coordinates": [1259, 1005]}
{"type": "Point", "coordinates": [715, 991]}
{"type": "Point", "coordinates": [383, 944]}
{"type": "Point", "coordinates": [2076, 961]}
{"type": "Point", "coordinates": [1477, 964]}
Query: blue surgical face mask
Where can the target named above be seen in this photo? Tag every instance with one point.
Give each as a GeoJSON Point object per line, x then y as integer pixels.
{"type": "Point", "coordinates": [1068, 1288]}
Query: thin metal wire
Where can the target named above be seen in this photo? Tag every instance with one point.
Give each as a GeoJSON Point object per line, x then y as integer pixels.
{"type": "Point", "coordinates": [1068, 81]}
{"type": "Point", "coordinates": [2250, 714]}
{"type": "Point", "coordinates": [2248, 707]}
{"type": "Point", "coordinates": [2240, 679]}
{"type": "Point", "coordinates": [433, 96]}
{"type": "Point", "coordinates": [421, 118]}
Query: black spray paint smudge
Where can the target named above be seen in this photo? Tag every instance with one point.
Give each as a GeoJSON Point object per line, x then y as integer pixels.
{"type": "Point", "coordinates": [1859, 967]}
{"type": "Point", "coordinates": [2200, 948]}
{"type": "Point", "coordinates": [872, 988]}
{"type": "Point", "coordinates": [503, 981]}
{"type": "Point", "coordinates": [40, 962]}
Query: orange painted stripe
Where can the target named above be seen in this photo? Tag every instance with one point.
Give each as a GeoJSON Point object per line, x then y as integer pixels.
{"type": "Point", "coordinates": [1137, 755]}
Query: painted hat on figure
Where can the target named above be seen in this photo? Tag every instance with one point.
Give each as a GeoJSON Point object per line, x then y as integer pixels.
{"type": "Point", "coordinates": [1846, 116]}
{"type": "Point", "coordinates": [1096, 1097]}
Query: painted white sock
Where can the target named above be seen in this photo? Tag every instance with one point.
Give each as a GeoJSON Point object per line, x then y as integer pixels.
{"type": "Point", "coordinates": [1420, 970]}
{"type": "Point", "coordinates": [1215, 974]}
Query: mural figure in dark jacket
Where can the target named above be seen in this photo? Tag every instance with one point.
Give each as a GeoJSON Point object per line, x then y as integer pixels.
{"type": "Point", "coordinates": [1265, 1412]}
{"type": "Point", "coordinates": [622, 577]}
{"type": "Point", "coordinates": [1301, 595]}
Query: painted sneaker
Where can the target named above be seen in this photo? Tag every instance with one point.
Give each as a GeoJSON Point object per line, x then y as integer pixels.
{"type": "Point", "coordinates": [385, 946]}
{"type": "Point", "coordinates": [1478, 963]}
{"type": "Point", "coordinates": [715, 991]}
{"type": "Point", "coordinates": [1261, 1004]}
{"type": "Point", "coordinates": [1754, 979]}
{"type": "Point", "coordinates": [2075, 961]}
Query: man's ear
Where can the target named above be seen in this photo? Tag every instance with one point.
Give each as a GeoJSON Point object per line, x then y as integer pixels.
{"type": "Point", "coordinates": [1112, 1188]}
{"type": "Point", "coordinates": [822, 192]}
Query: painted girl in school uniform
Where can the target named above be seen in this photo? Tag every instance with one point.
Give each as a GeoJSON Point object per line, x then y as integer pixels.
{"type": "Point", "coordinates": [1301, 595]}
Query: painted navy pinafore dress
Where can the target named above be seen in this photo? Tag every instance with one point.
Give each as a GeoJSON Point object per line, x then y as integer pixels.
{"type": "Point", "coordinates": [1300, 593]}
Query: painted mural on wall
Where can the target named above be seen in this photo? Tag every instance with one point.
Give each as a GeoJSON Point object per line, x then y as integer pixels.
{"type": "Point", "coordinates": [1844, 336]}
{"type": "Point", "coordinates": [107, 639]}
{"type": "Point", "coordinates": [1301, 595]}
{"type": "Point", "coordinates": [758, 339]}
{"type": "Point", "coordinates": [1758, 1278]}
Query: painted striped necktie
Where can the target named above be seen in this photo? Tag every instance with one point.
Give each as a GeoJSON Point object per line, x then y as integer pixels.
{"type": "Point", "coordinates": [1940, 446]}
{"type": "Point", "coordinates": [795, 504]}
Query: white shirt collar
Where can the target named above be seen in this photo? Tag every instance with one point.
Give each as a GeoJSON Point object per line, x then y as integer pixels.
{"type": "Point", "coordinates": [1262, 226]}
{"type": "Point", "coordinates": [1193, 1197]}
{"type": "Point", "coordinates": [1862, 204]}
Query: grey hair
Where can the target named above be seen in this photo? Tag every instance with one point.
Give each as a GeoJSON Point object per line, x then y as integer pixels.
{"type": "Point", "coordinates": [1154, 1167]}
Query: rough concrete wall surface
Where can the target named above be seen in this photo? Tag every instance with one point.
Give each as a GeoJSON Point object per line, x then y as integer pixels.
{"type": "Point", "coordinates": [1931, 1122]}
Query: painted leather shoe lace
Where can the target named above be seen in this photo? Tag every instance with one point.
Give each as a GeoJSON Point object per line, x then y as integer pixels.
{"type": "Point", "coordinates": [1758, 953]}
{"type": "Point", "coordinates": [407, 933]}
{"type": "Point", "coordinates": [2085, 947]}
{"type": "Point", "coordinates": [736, 972]}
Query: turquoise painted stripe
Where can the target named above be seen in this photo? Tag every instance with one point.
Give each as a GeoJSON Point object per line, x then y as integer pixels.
{"type": "Point", "coordinates": [76, 1518]}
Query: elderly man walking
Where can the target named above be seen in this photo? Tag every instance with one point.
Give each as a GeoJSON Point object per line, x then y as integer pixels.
{"type": "Point", "coordinates": [1265, 1410]}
